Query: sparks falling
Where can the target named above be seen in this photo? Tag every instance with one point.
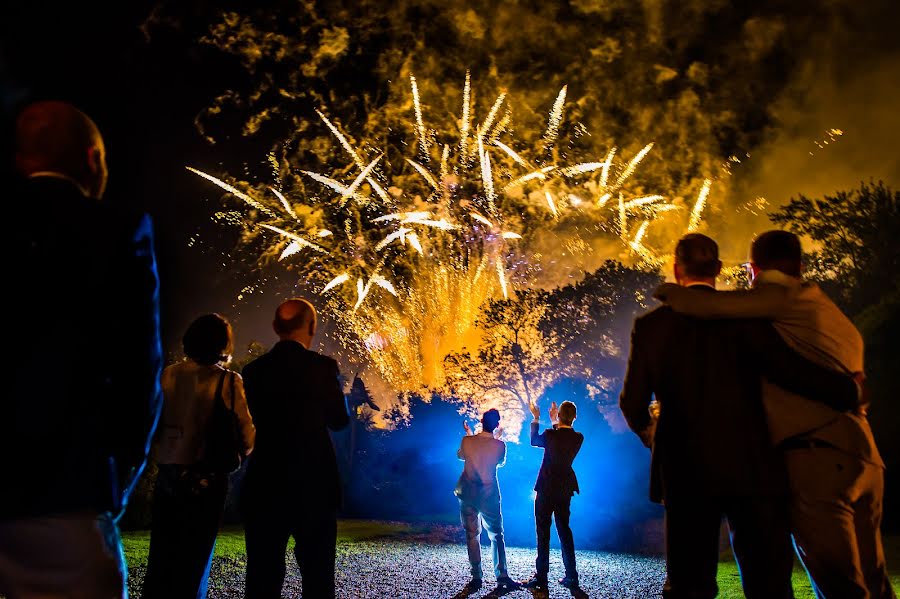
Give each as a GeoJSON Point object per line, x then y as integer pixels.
{"type": "Point", "coordinates": [405, 273]}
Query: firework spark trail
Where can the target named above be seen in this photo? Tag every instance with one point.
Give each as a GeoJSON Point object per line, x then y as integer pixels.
{"type": "Point", "coordinates": [512, 154]}
{"type": "Point", "coordinates": [338, 280]}
{"type": "Point", "coordinates": [642, 201]}
{"type": "Point", "coordinates": [555, 120]}
{"type": "Point", "coordinates": [538, 174]}
{"type": "Point", "coordinates": [632, 165]}
{"type": "Point", "coordinates": [697, 212]}
{"type": "Point", "coordinates": [489, 120]}
{"type": "Point", "coordinates": [622, 217]}
{"type": "Point", "coordinates": [445, 160]}
{"type": "Point", "coordinates": [232, 190]}
{"type": "Point", "coordinates": [602, 200]}
{"type": "Point", "coordinates": [335, 185]}
{"type": "Point", "coordinates": [584, 167]}
{"type": "Point", "coordinates": [284, 202]}
{"type": "Point", "coordinates": [551, 204]}
{"type": "Point", "coordinates": [604, 174]}
{"type": "Point", "coordinates": [425, 174]}
{"type": "Point", "coordinates": [487, 177]}
{"type": "Point", "coordinates": [296, 238]}
{"type": "Point", "coordinates": [351, 191]}
{"type": "Point", "coordinates": [420, 123]}
{"type": "Point", "coordinates": [353, 154]}
{"type": "Point", "coordinates": [501, 274]}
{"type": "Point", "coordinates": [466, 118]}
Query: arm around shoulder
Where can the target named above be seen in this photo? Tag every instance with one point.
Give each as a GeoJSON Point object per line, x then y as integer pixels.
{"type": "Point", "coordinates": [765, 301]}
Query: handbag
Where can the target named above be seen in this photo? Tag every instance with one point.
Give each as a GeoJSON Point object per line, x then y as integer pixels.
{"type": "Point", "coordinates": [222, 452]}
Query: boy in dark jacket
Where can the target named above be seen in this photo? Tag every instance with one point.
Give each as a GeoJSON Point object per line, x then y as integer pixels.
{"type": "Point", "coordinates": [556, 483]}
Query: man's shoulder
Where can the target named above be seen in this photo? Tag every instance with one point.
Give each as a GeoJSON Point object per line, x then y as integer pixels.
{"type": "Point", "coordinates": [661, 316]}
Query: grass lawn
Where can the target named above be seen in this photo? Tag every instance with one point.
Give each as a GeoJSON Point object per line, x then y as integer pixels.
{"type": "Point", "coordinates": [230, 545]}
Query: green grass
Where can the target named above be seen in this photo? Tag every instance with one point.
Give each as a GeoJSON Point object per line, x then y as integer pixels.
{"type": "Point", "coordinates": [230, 544]}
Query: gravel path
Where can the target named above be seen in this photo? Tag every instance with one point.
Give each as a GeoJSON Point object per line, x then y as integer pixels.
{"type": "Point", "coordinates": [414, 570]}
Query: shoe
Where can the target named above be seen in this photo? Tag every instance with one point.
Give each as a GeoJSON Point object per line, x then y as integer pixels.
{"type": "Point", "coordinates": [570, 582]}
{"type": "Point", "coordinates": [505, 582]}
{"type": "Point", "coordinates": [473, 585]}
{"type": "Point", "coordinates": [535, 583]}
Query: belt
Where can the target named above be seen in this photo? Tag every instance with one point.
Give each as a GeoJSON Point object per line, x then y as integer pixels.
{"type": "Point", "coordinates": [798, 443]}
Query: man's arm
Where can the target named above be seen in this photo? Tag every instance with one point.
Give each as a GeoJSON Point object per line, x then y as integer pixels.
{"type": "Point", "coordinates": [767, 301]}
{"type": "Point", "coordinates": [459, 452]}
{"type": "Point", "coordinates": [637, 390]}
{"type": "Point", "coordinates": [502, 461]}
{"type": "Point", "coordinates": [791, 371]}
{"type": "Point", "coordinates": [137, 412]}
{"type": "Point", "coordinates": [537, 439]}
{"type": "Point", "coordinates": [336, 409]}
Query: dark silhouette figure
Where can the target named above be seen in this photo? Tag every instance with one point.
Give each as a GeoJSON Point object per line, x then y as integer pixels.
{"type": "Point", "coordinates": [189, 498]}
{"type": "Point", "coordinates": [292, 487]}
{"type": "Point", "coordinates": [711, 453]}
{"type": "Point", "coordinates": [82, 300]}
{"type": "Point", "coordinates": [556, 484]}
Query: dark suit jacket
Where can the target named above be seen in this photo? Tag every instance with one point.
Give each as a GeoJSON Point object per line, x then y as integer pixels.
{"type": "Point", "coordinates": [294, 397]}
{"type": "Point", "coordinates": [561, 445]}
{"type": "Point", "coordinates": [83, 326]}
{"type": "Point", "coordinates": [712, 439]}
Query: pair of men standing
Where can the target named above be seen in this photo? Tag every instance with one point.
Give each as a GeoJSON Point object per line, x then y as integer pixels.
{"type": "Point", "coordinates": [739, 435]}
{"type": "Point", "coordinates": [478, 491]}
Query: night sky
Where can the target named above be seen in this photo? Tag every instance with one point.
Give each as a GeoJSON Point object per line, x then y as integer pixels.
{"type": "Point", "coordinates": [137, 69]}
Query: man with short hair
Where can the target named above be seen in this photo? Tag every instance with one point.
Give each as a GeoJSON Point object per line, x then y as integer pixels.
{"type": "Point", "coordinates": [711, 455]}
{"type": "Point", "coordinates": [478, 491]}
{"type": "Point", "coordinates": [84, 396]}
{"type": "Point", "coordinates": [556, 484]}
{"type": "Point", "coordinates": [292, 487]}
{"type": "Point", "coordinates": [835, 471]}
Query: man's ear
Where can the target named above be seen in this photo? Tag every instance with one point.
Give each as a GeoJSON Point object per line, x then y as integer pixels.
{"type": "Point", "coordinates": [677, 271]}
{"type": "Point", "coordinates": [93, 159]}
{"type": "Point", "coordinates": [718, 267]}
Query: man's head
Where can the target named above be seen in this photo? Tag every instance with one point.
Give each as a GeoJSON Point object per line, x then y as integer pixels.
{"type": "Point", "coordinates": [697, 260]}
{"type": "Point", "coordinates": [567, 413]}
{"type": "Point", "coordinates": [777, 250]}
{"type": "Point", "coordinates": [295, 319]}
{"type": "Point", "coordinates": [490, 420]}
{"type": "Point", "coordinates": [56, 137]}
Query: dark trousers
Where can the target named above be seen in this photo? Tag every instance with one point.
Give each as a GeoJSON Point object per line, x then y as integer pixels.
{"type": "Point", "coordinates": [187, 511]}
{"type": "Point", "coordinates": [546, 507]}
{"type": "Point", "coordinates": [760, 540]}
{"type": "Point", "coordinates": [315, 538]}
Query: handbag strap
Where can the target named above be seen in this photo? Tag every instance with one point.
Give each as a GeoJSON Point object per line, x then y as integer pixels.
{"type": "Point", "coordinates": [232, 391]}
{"type": "Point", "coordinates": [219, 388]}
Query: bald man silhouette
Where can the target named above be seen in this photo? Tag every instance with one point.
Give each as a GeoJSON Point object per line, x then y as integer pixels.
{"type": "Point", "coordinates": [84, 397]}
{"type": "Point", "coordinates": [292, 486]}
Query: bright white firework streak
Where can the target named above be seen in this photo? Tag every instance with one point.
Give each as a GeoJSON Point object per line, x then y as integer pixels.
{"type": "Point", "coordinates": [555, 119]}
{"type": "Point", "coordinates": [622, 217]}
{"type": "Point", "coordinates": [642, 230]}
{"type": "Point", "coordinates": [697, 212]}
{"type": "Point", "coordinates": [292, 248]}
{"type": "Point", "coordinates": [512, 153]}
{"type": "Point", "coordinates": [538, 174]}
{"type": "Point", "coordinates": [445, 159]}
{"type": "Point", "coordinates": [384, 284]}
{"type": "Point", "coordinates": [632, 165]}
{"type": "Point", "coordinates": [325, 233]}
{"type": "Point", "coordinates": [284, 202]}
{"type": "Point", "coordinates": [399, 234]}
{"type": "Point", "coordinates": [425, 174]}
{"type": "Point", "coordinates": [551, 203]}
{"type": "Point", "coordinates": [351, 191]}
{"type": "Point", "coordinates": [602, 200]}
{"type": "Point", "coordinates": [501, 273]}
{"type": "Point", "coordinates": [487, 176]}
{"type": "Point", "coordinates": [338, 280]}
{"type": "Point", "coordinates": [437, 224]}
{"type": "Point", "coordinates": [333, 184]}
{"type": "Point", "coordinates": [408, 216]}
{"type": "Point", "coordinates": [481, 219]}
{"type": "Point", "coordinates": [361, 292]}
{"type": "Point", "coordinates": [359, 163]}
{"type": "Point", "coordinates": [413, 240]}
{"type": "Point", "coordinates": [464, 127]}
{"type": "Point", "coordinates": [604, 174]}
{"type": "Point", "coordinates": [296, 238]}
{"type": "Point", "coordinates": [232, 190]}
{"type": "Point", "coordinates": [584, 167]}
{"type": "Point", "coordinates": [420, 123]}
{"type": "Point", "coordinates": [489, 121]}
{"type": "Point", "coordinates": [511, 235]}
{"type": "Point", "coordinates": [642, 201]}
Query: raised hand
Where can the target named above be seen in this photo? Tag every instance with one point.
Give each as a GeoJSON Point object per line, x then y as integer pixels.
{"type": "Point", "coordinates": [466, 427]}
{"type": "Point", "coordinates": [535, 411]}
{"type": "Point", "coordinates": [554, 413]}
